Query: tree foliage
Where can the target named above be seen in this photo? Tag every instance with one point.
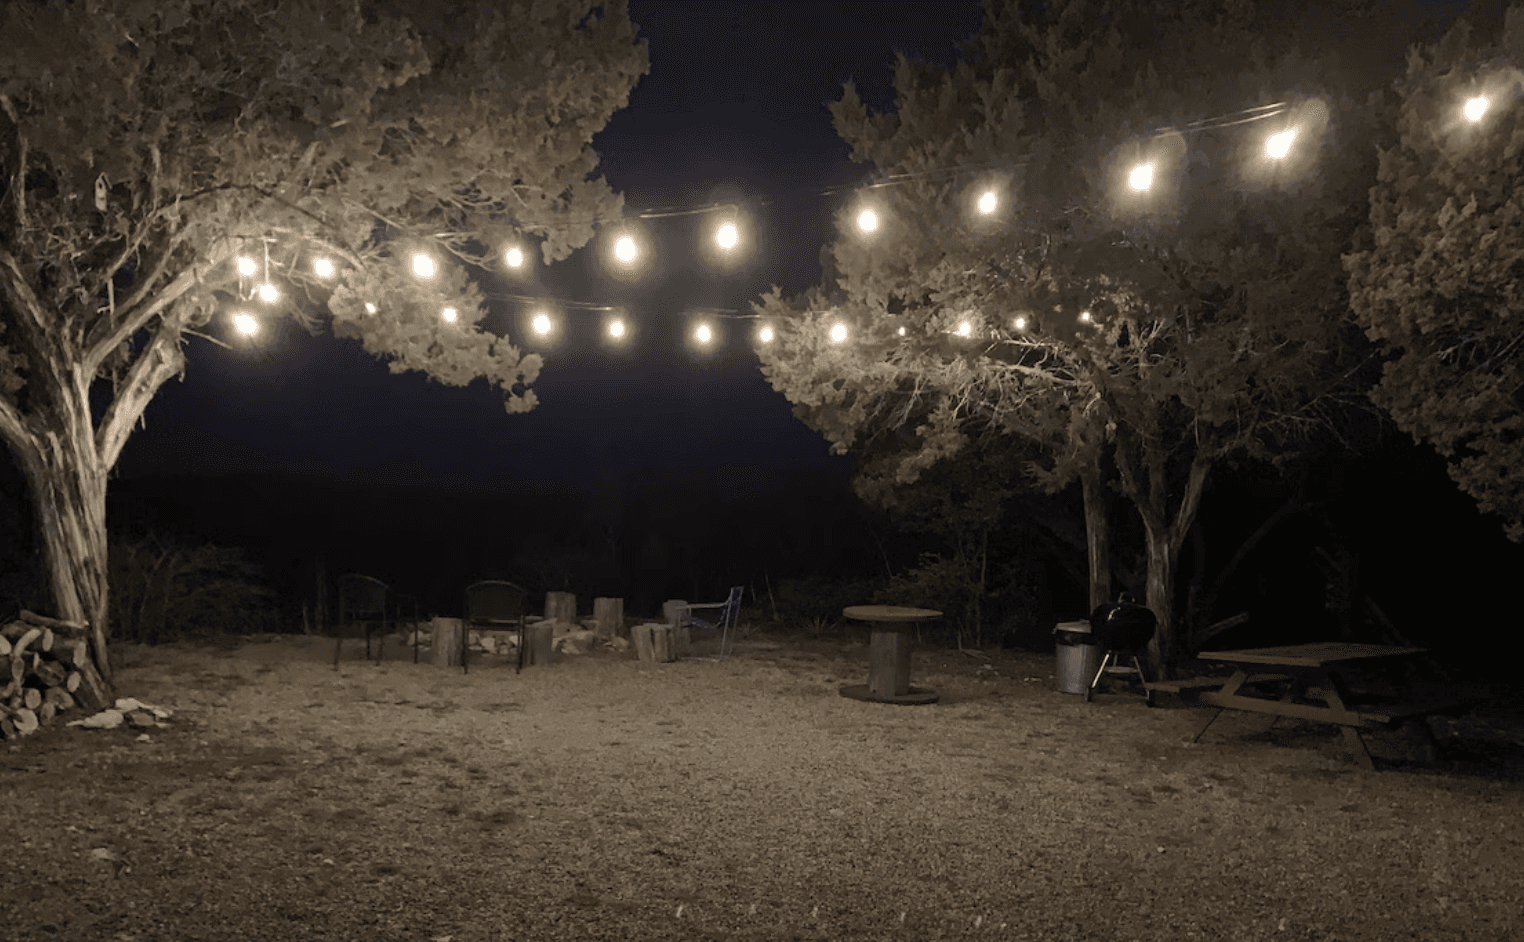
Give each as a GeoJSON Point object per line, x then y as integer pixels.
{"type": "Point", "coordinates": [1160, 333]}
{"type": "Point", "coordinates": [145, 147]}
{"type": "Point", "coordinates": [1441, 284]}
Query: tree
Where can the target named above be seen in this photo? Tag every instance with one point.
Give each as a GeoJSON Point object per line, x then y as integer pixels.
{"type": "Point", "coordinates": [163, 160]}
{"type": "Point", "coordinates": [1138, 338]}
{"type": "Point", "coordinates": [1440, 284]}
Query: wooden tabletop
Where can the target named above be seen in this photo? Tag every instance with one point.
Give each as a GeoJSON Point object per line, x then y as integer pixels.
{"type": "Point", "coordinates": [1319, 654]}
{"type": "Point", "coordinates": [889, 613]}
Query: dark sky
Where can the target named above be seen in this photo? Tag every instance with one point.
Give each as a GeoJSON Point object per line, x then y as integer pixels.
{"type": "Point", "coordinates": [734, 105]}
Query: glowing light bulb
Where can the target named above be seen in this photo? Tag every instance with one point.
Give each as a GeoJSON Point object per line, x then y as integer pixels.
{"type": "Point", "coordinates": [541, 324]}
{"type": "Point", "coordinates": [703, 333]}
{"type": "Point", "coordinates": [322, 267]}
{"type": "Point", "coordinates": [838, 333]}
{"type": "Point", "coordinates": [1085, 316]}
{"type": "Point", "coordinates": [514, 257]}
{"type": "Point", "coordinates": [1021, 323]}
{"type": "Point", "coordinates": [370, 308]}
{"type": "Point", "coordinates": [1141, 177]}
{"type": "Point", "coordinates": [423, 266]}
{"type": "Point", "coordinates": [766, 334]}
{"type": "Point", "coordinates": [247, 266]}
{"type": "Point", "coordinates": [625, 249]}
{"type": "Point", "coordinates": [965, 329]}
{"type": "Point", "coordinates": [1476, 107]}
{"type": "Point", "coordinates": [449, 314]}
{"type": "Point", "coordinates": [616, 328]}
{"type": "Point", "coordinates": [988, 202]}
{"type": "Point", "coordinates": [1279, 145]}
{"type": "Point", "coordinates": [727, 236]}
{"type": "Point", "coordinates": [268, 293]}
{"type": "Point", "coordinates": [902, 331]}
{"type": "Point", "coordinates": [867, 220]}
{"type": "Point", "coordinates": [246, 324]}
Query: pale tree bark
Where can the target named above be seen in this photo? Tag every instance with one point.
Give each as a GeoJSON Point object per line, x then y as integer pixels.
{"type": "Point", "coordinates": [66, 457]}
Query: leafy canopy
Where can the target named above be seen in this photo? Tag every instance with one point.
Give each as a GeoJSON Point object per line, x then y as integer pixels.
{"type": "Point", "coordinates": [1441, 285]}
{"type": "Point", "coordinates": [144, 146]}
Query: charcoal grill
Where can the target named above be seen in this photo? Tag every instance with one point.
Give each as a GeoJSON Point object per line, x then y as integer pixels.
{"type": "Point", "coordinates": [1124, 630]}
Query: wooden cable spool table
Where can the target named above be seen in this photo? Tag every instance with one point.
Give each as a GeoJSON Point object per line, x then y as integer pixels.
{"type": "Point", "coordinates": [889, 654]}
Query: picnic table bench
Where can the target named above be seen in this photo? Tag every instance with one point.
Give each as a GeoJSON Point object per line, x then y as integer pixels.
{"type": "Point", "coordinates": [1315, 689]}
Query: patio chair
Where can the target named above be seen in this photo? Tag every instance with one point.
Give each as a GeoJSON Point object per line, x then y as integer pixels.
{"type": "Point", "coordinates": [1124, 630]}
{"type": "Point", "coordinates": [725, 619]}
{"type": "Point", "coordinates": [491, 604]}
{"type": "Point", "coordinates": [362, 608]}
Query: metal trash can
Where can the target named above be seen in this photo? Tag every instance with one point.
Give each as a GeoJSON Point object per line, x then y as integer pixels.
{"type": "Point", "coordinates": [1079, 656]}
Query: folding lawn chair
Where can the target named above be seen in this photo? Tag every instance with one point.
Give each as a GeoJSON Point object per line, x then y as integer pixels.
{"type": "Point", "coordinates": [725, 620]}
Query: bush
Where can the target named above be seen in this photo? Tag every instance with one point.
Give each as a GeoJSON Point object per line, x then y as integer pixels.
{"type": "Point", "coordinates": [161, 591]}
{"type": "Point", "coordinates": [814, 604]}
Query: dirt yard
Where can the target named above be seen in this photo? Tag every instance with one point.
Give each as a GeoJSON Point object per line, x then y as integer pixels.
{"type": "Point", "coordinates": [606, 798]}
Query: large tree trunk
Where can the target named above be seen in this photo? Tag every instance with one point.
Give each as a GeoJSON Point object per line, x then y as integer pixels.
{"type": "Point", "coordinates": [1097, 537]}
{"type": "Point", "coordinates": [67, 481]}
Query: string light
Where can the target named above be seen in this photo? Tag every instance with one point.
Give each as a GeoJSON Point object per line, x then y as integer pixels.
{"type": "Point", "coordinates": [542, 324]}
{"type": "Point", "coordinates": [268, 293]}
{"type": "Point", "coordinates": [988, 202]}
{"type": "Point", "coordinates": [423, 265]}
{"type": "Point", "coordinates": [246, 324]}
{"type": "Point", "coordinates": [838, 333]}
{"type": "Point", "coordinates": [1476, 108]}
{"type": "Point", "coordinates": [765, 335]}
{"type": "Point", "coordinates": [625, 249]}
{"type": "Point", "coordinates": [1021, 323]}
{"type": "Point", "coordinates": [247, 266]}
{"type": "Point", "coordinates": [1141, 177]}
{"type": "Point", "coordinates": [322, 267]}
{"type": "Point", "coordinates": [370, 308]}
{"type": "Point", "coordinates": [867, 220]}
{"type": "Point", "coordinates": [616, 328]}
{"type": "Point", "coordinates": [514, 257]}
{"type": "Point", "coordinates": [727, 236]}
{"type": "Point", "coordinates": [449, 314]}
{"type": "Point", "coordinates": [965, 329]}
{"type": "Point", "coordinates": [703, 334]}
{"type": "Point", "coordinates": [1084, 317]}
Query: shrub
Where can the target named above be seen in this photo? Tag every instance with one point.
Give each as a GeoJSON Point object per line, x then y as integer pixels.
{"type": "Point", "coordinates": [162, 591]}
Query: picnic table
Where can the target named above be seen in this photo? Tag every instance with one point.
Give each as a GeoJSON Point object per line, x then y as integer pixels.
{"type": "Point", "coordinates": [1312, 685]}
{"type": "Point", "coordinates": [889, 654]}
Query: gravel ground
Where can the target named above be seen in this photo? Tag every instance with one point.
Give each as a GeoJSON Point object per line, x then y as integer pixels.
{"type": "Point", "coordinates": [606, 798]}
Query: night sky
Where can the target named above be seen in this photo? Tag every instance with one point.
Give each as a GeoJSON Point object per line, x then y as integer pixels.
{"type": "Point", "coordinates": [734, 107]}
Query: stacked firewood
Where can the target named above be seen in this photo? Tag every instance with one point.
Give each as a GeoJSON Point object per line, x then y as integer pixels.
{"type": "Point", "coordinates": [40, 671]}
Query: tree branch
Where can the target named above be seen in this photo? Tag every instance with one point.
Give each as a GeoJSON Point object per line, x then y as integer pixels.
{"type": "Point", "coordinates": [160, 360]}
{"type": "Point", "coordinates": [20, 176]}
{"type": "Point", "coordinates": [134, 322]}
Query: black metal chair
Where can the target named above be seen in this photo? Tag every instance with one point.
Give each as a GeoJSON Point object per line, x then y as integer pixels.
{"type": "Point", "coordinates": [491, 604]}
{"type": "Point", "coordinates": [362, 605]}
{"type": "Point", "coordinates": [1123, 629]}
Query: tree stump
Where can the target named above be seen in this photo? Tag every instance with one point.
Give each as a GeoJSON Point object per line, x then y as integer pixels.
{"type": "Point", "coordinates": [674, 612]}
{"type": "Point", "coordinates": [539, 643]}
{"type": "Point", "coordinates": [446, 643]}
{"type": "Point", "coordinates": [609, 613]}
{"type": "Point", "coordinates": [561, 606]}
{"type": "Point", "coordinates": [654, 642]}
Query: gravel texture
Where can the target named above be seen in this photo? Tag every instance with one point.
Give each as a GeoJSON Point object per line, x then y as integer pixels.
{"type": "Point", "coordinates": [606, 798]}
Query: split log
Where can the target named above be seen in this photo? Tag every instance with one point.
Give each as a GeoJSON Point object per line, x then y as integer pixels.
{"type": "Point", "coordinates": [662, 643]}
{"type": "Point", "coordinates": [561, 606]}
{"type": "Point", "coordinates": [31, 698]}
{"type": "Point", "coordinates": [50, 673]}
{"type": "Point", "coordinates": [5, 646]}
{"type": "Point", "coordinates": [609, 614]}
{"type": "Point", "coordinates": [539, 643]}
{"type": "Point", "coordinates": [26, 721]}
{"type": "Point", "coordinates": [8, 729]}
{"type": "Point", "coordinates": [72, 683]}
{"type": "Point", "coordinates": [674, 612]}
{"type": "Point", "coordinates": [59, 697]}
{"type": "Point", "coordinates": [19, 648]}
{"type": "Point", "coordinates": [73, 628]}
{"type": "Point", "coordinates": [46, 642]}
{"type": "Point", "coordinates": [46, 712]}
